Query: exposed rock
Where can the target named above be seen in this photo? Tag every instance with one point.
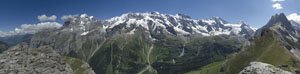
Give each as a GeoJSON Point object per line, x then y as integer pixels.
{"type": "Point", "coordinates": [262, 68]}
{"type": "Point", "coordinates": [24, 60]}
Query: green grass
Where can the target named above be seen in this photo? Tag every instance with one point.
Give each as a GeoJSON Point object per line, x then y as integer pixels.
{"type": "Point", "coordinates": [75, 64]}
{"type": "Point", "coordinates": [267, 49]}
{"type": "Point", "coordinates": [109, 69]}
{"type": "Point", "coordinates": [130, 54]}
{"type": "Point", "coordinates": [213, 68]}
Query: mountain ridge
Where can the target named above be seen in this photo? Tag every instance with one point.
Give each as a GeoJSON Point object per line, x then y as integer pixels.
{"type": "Point", "coordinates": [272, 44]}
{"type": "Point", "coordinates": [181, 24]}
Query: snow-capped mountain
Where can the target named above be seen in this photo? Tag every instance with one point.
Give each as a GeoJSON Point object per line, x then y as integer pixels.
{"type": "Point", "coordinates": [143, 36]}
{"type": "Point", "coordinates": [179, 24]}
{"type": "Point", "coordinates": [157, 23]}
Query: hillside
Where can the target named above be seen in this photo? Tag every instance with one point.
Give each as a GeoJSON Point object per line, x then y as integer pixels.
{"type": "Point", "coordinates": [271, 45]}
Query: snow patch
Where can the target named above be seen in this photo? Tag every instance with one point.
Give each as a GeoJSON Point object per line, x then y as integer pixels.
{"type": "Point", "coordinates": [116, 23]}
{"type": "Point", "coordinates": [180, 30]}
{"type": "Point", "coordinates": [292, 38]}
{"type": "Point", "coordinates": [210, 22]}
{"type": "Point", "coordinates": [84, 33]}
{"type": "Point", "coordinates": [132, 31]}
{"type": "Point", "coordinates": [220, 32]}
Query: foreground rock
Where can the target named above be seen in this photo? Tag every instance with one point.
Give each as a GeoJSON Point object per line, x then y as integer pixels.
{"type": "Point", "coordinates": [262, 68]}
{"type": "Point", "coordinates": [24, 60]}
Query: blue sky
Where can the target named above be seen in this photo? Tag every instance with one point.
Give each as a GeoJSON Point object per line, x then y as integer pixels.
{"type": "Point", "coordinates": [13, 13]}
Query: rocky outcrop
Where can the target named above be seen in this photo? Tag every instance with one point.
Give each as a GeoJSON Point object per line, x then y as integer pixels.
{"type": "Point", "coordinates": [262, 68]}
{"type": "Point", "coordinates": [22, 59]}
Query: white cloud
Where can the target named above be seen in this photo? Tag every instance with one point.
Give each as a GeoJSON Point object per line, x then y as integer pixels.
{"type": "Point", "coordinates": [295, 17]}
{"type": "Point", "coordinates": [81, 16]}
{"type": "Point", "coordinates": [44, 18]}
{"type": "Point", "coordinates": [277, 6]}
{"type": "Point", "coordinates": [67, 17]}
{"type": "Point", "coordinates": [3, 34]}
{"type": "Point", "coordinates": [47, 22]}
{"type": "Point", "coordinates": [31, 28]}
{"type": "Point", "coordinates": [278, 0]}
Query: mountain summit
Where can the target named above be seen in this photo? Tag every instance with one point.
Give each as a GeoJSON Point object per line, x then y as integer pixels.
{"type": "Point", "coordinates": [279, 22]}
{"type": "Point", "coordinates": [286, 30]}
{"type": "Point", "coordinates": [276, 44]}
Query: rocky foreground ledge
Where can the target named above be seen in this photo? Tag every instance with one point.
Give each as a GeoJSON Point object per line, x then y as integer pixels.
{"type": "Point", "coordinates": [22, 59]}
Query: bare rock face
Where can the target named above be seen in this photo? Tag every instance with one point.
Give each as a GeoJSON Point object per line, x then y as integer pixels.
{"type": "Point", "coordinates": [24, 60]}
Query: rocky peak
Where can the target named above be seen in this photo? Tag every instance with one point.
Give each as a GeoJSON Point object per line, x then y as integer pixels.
{"type": "Point", "coordinates": [284, 31]}
{"type": "Point", "coordinates": [219, 20]}
{"type": "Point", "coordinates": [278, 23]}
{"type": "Point", "coordinates": [279, 20]}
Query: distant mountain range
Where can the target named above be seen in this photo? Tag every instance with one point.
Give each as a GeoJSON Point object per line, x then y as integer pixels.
{"type": "Point", "coordinates": [178, 24]}
{"type": "Point", "coordinates": [16, 39]}
{"type": "Point", "coordinates": [158, 43]}
{"type": "Point", "coordinates": [152, 22]}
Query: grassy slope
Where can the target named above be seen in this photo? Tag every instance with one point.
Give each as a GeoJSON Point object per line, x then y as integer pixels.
{"type": "Point", "coordinates": [212, 68]}
{"type": "Point", "coordinates": [266, 49]}
{"type": "Point", "coordinates": [199, 52]}
{"type": "Point", "coordinates": [124, 54]}
{"type": "Point", "coordinates": [75, 64]}
{"type": "Point", "coordinates": [128, 54]}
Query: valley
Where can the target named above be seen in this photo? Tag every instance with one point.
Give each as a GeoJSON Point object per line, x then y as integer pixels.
{"type": "Point", "coordinates": [155, 43]}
